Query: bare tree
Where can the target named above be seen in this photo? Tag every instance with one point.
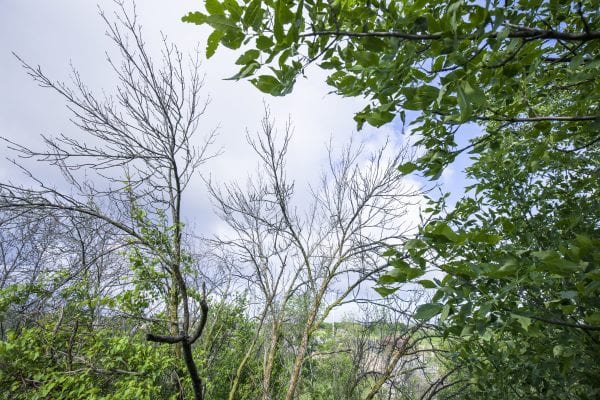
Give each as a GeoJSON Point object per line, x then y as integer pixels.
{"type": "Point", "coordinates": [140, 147]}
{"type": "Point", "coordinates": [27, 243]}
{"type": "Point", "coordinates": [323, 252]}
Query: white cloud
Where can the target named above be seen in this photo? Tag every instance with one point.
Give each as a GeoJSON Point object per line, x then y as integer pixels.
{"type": "Point", "coordinates": [448, 176]}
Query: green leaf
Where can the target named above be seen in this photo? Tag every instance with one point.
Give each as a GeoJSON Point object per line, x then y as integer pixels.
{"type": "Point", "coordinates": [235, 11]}
{"type": "Point", "coordinates": [402, 272]}
{"type": "Point", "coordinates": [285, 12]}
{"type": "Point", "coordinates": [427, 311]}
{"type": "Point", "coordinates": [446, 311]}
{"type": "Point", "coordinates": [474, 95]}
{"type": "Point", "coordinates": [415, 244]}
{"type": "Point", "coordinates": [485, 237]}
{"type": "Point", "coordinates": [214, 7]}
{"type": "Point", "coordinates": [553, 262]}
{"type": "Point", "coordinates": [267, 84]}
{"type": "Point", "coordinates": [389, 252]}
{"type": "Point", "coordinates": [427, 284]}
{"type": "Point", "coordinates": [399, 264]}
{"type": "Point", "coordinates": [584, 242]}
{"type": "Point", "coordinates": [379, 118]}
{"type": "Point", "coordinates": [509, 266]}
{"type": "Point", "coordinates": [384, 291]}
{"type": "Point", "coordinates": [558, 350]}
{"type": "Point", "coordinates": [374, 44]}
{"type": "Point", "coordinates": [524, 321]}
{"type": "Point", "coordinates": [213, 42]}
{"type": "Point", "coordinates": [407, 168]}
{"type": "Point", "coordinates": [264, 43]}
{"type": "Point", "coordinates": [194, 18]}
{"type": "Point", "coordinates": [420, 98]}
{"type": "Point", "coordinates": [278, 21]}
{"type": "Point", "coordinates": [233, 39]}
{"type": "Point", "coordinates": [593, 319]}
{"type": "Point", "coordinates": [440, 229]}
{"type": "Point", "coordinates": [220, 22]}
{"type": "Point", "coordinates": [568, 294]}
{"type": "Point", "coordinates": [463, 104]}
{"type": "Point", "coordinates": [253, 15]}
{"type": "Point", "coordinates": [366, 58]}
{"type": "Point", "coordinates": [562, 351]}
{"type": "Point", "coordinates": [387, 279]}
{"type": "Point", "coordinates": [246, 71]}
{"type": "Point", "coordinates": [467, 330]}
{"type": "Point", "coordinates": [247, 57]}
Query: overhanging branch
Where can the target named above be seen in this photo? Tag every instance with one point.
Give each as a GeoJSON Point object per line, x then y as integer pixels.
{"type": "Point", "coordinates": [570, 118]}
{"type": "Point", "coordinates": [203, 317]}
{"type": "Point", "coordinates": [584, 327]}
{"type": "Point", "coordinates": [164, 339]}
{"type": "Point", "coordinates": [519, 33]}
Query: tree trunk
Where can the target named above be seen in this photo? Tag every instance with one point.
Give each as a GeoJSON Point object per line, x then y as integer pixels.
{"type": "Point", "coordinates": [301, 354]}
{"type": "Point", "coordinates": [173, 314]}
{"type": "Point", "coordinates": [192, 370]}
{"type": "Point", "coordinates": [269, 361]}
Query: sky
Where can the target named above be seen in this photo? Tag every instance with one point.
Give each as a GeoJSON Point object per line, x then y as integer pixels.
{"type": "Point", "coordinates": [59, 33]}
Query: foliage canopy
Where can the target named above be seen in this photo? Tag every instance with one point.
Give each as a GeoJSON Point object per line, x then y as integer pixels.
{"type": "Point", "coordinates": [497, 63]}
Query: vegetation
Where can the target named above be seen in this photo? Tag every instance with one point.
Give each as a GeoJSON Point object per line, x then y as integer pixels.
{"type": "Point", "coordinates": [138, 147]}
{"type": "Point", "coordinates": [299, 257]}
{"type": "Point", "coordinates": [496, 295]}
{"type": "Point", "coordinates": [518, 256]}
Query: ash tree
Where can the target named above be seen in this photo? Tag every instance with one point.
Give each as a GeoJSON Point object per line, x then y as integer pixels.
{"type": "Point", "coordinates": [129, 167]}
{"type": "Point", "coordinates": [301, 258]}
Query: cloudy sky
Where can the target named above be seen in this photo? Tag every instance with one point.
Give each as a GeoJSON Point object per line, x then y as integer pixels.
{"type": "Point", "coordinates": [55, 34]}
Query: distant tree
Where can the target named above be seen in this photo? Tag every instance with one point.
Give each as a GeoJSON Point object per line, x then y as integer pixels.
{"type": "Point", "coordinates": [65, 331]}
{"type": "Point", "coordinates": [302, 263]}
{"type": "Point", "coordinates": [138, 155]}
{"type": "Point", "coordinates": [379, 353]}
{"type": "Point", "coordinates": [229, 332]}
{"type": "Point", "coordinates": [45, 257]}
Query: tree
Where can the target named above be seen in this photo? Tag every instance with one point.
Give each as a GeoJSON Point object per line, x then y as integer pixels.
{"type": "Point", "coordinates": [377, 354]}
{"type": "Point", "coordinates": [49, 261]}
{"type": "Point", "coordinates": [295, 259]}
{"type": "Point", "coordinates": [521, 257]}
{"type": "Point", "coordinates": [139, 148]}
{"type": "Point", "coordinates": [519, 253]}
{"type": "Point", "coordinates": [454, 62]}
